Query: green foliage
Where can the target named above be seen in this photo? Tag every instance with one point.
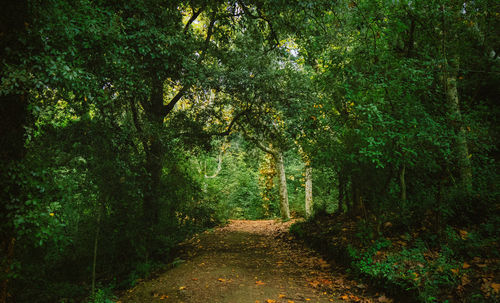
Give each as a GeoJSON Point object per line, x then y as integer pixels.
{"type": "Point", "coordinates": [103, 295]}
{"type": "Point", "coordinates": [112, 115]}
{"type": "Point", "coordinates": [409, 270]}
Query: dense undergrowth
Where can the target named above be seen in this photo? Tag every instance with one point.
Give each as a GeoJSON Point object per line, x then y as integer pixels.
{"type": "Point", "coordinates": [422, 264]}
{"type": "Point", "coordinates": [126, 126]}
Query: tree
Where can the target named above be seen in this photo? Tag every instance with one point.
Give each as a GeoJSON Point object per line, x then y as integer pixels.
{"type": "Point", "coordinates": [13, 117]}
{"type": "Point", "coordinates": [280, 166]}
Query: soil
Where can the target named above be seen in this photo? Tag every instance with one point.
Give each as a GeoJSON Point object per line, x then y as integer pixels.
{"type": "Point", "coordinates": [249, 261]}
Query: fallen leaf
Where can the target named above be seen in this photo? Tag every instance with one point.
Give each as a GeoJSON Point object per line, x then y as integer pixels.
{"type": "Point", "coordinates": [221, 280]}
{"type": "Point", "coordinates": [182, 287]}
{"type": "Point", "coordinates": [496, 287]}
{"type": "Point", "coordinates": [163, 297]}
{"type": "Point", "coordinates": [465, 280]}
{"type": "Point", "coordinates": [270, 301]}
{"type": "Point", "coordinates": [258, 282]}
{"type": "Point", "coordinates": [281, 296]}
{"type": "Point", "coordinates": [384, 299]}
{"type": "Point", "coordinates": [345, 297]}
{"type": "Point", "coordinates": [463, 234]}
{"type": "Point", "coordinates": [454, 270]}
{"type": "Point", "coordinates": [466, 265]}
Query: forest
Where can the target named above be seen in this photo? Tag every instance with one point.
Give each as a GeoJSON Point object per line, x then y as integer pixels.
{"type": "Point", "coordinates": [126, 127]}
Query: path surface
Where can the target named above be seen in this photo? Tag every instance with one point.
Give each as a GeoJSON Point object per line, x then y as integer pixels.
{"type": "Point", "coordinates": [248, 261]}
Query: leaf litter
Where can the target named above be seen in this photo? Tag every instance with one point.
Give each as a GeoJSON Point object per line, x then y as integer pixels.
{"type": "Point", "coordinates": [251, 261]}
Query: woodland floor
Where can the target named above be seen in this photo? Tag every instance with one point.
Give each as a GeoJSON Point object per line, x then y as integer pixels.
{"type": "Point", "coordinates": [250, 261]}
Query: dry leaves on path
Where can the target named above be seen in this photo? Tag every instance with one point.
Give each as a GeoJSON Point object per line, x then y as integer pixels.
{"type": "Point", "coordinates": [256, 261]}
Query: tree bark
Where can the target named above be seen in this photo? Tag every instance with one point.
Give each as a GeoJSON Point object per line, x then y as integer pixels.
{"type": "Point", "coordinates": [309, 194]}
{"type": "Point", "coordinates": [8, 247]}
{"type": "Point", "coordinates": [464, 164]}
{"type": "Point", "coordinates": [341, 189]}
{"type": "Point", "coordinates": [403, 182]}
{"type": "Point", "coordinates": [153, 168]}
{"type": "Point", "coordinates": [13, 115]}
{"type": "Point", "coordinates": [356, 197]}
{"type": "Point", "coordinates": [451, 69]}
{"type": "Point", "coordinates": [154, 155]}
{"type": "Point", "coordinates": [280, 166]}
{"type": "Point", "coordinates": [96, 242]}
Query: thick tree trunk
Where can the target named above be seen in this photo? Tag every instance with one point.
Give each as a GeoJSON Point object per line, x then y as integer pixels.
{"type": "Point", "coordinates": [153, 168]}
{"type": "Point", "coordinates": [155, 113]}
{"type": "Point", "coordinates": [464, 164]}
{"type": "Point", "coordinates": [280, 167]}
{"type": "Point", "coordinates": [309, 194]}
{"type": "Point", "coordinates": [13, 115]}
{"type": "Point", "coordinates": [451, 68]}
{"type": "Point", "coordinates": [154, 155]}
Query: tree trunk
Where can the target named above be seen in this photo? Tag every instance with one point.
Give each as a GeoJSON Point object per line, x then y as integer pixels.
{"type": "Point", "coordinates": [356, 197]}
{"type": "Point", "coordinates": [309, 194]}
{"type": "Point", "coordinates": [8, 247]}
{"type": "Point", "coordinates": [96, 242]}
{"type": "Point", "coordinates": [155, 113]}
{"type": "Point", "coordinates": [451, 69]}
{"type": "Point", "coordinates": [341, 188]}
{"type": "Point", "coordinates": [280, 166]}
{"type": "Point", "coordinates": [13, 115]}
{"type": "Point", "coordinates": [153, 168]}
{"type": "Point", "coordinates": [154, 155]}
{"type": "Point", "coordinates": [403, 183]}
{"type": "Point", "coordinates": [464, 164]}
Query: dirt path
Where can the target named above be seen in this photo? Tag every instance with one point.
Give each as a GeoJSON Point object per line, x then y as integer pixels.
{"type": "Point", "coordinates": [248, 261]}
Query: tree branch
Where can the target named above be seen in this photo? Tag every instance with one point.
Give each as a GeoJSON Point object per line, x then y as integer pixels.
{"type": "Point", "coordinates": [170, 106]}
{"type": "Point", "coordinates": [193, 18]}
{"type": "Point", "coordinates": [231, 124]}
{"type": "Point", "coordinates": [259, 15]}
{"type": "Point", "coordinates": [137, 124]}
{"type": "Point", "coordinates": [219, 167]}
{"type": "Point", "coordinates": [259, 144]}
